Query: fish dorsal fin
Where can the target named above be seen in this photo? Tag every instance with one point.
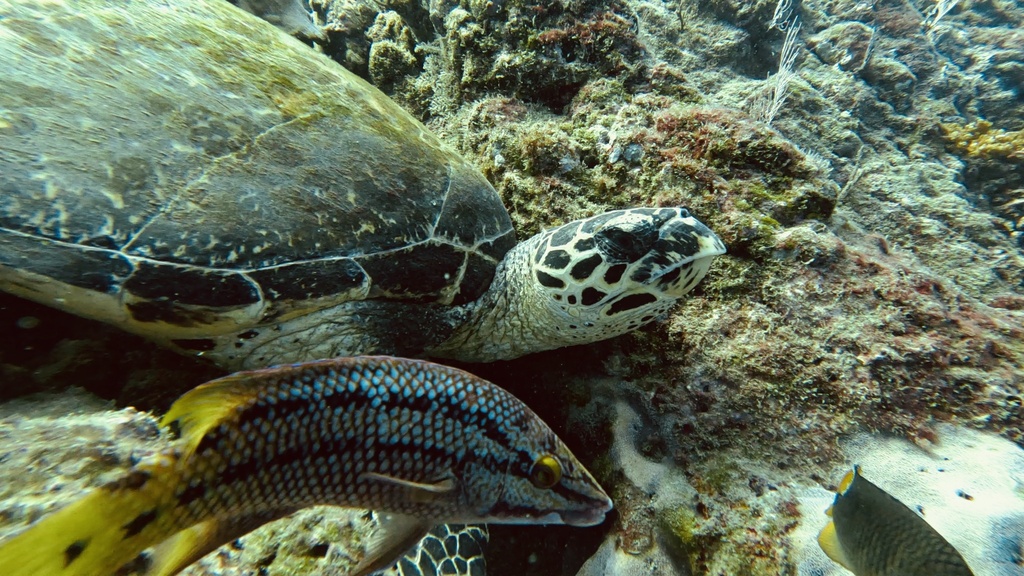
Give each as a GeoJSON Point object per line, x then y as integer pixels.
{"type": "Point", "coordinates": [184, 548]}
{"type": "Point", "coordinates": [208, 405]}
{"type": "Point", "coordinates": [829, 542]}
{"type": "Point", "coordinates": [396, 534]}
{"type": "Point", "coordinates": [440, 487]}
{"type": "Point", "coordinates": [847, 480]}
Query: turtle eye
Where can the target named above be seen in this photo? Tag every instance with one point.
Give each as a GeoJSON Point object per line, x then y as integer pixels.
{"type": "Point", "coordinates": [627, 241]}
{"type": "Point", "coordinates": [546, 471]}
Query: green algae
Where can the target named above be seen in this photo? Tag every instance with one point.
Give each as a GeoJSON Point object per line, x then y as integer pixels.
{"type": "Point", "coordinates": [681, 531]}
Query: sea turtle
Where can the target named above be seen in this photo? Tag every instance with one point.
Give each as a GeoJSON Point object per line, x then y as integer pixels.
{"type": "Point", "coordinates": [189, 173]}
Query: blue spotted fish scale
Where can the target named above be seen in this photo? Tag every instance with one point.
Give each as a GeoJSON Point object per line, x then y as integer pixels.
{"type": "Point", "coordinates": [412, 439]}
{"type": "Point", "coordinates": [367, 420]}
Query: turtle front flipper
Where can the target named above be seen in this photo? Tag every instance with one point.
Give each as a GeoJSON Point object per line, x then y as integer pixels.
{"type": "Point", "coordinates": [586, 281]}
{"type": "Point", "coordinates": [447, 550]}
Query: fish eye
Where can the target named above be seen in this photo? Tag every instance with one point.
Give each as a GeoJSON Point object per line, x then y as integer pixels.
{"type": "Point", "coordinates": [546, 471]}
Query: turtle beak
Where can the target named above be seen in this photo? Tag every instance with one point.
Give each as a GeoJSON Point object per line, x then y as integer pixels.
{"type": "Point", "coordinates": [708, 246]}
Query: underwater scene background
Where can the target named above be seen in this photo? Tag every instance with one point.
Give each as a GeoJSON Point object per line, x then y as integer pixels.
{"type": "Point", "coordinates": [862, 161]}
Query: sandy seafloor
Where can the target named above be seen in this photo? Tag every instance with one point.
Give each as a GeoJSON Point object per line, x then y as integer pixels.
{"type": "Point", "coordinates": [870, 310]}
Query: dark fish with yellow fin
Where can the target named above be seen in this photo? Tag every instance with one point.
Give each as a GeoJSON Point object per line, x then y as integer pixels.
{"type": "Point", "coordinates": [424, 443]}
{"type": "Point", "coordinates": [873, 534]}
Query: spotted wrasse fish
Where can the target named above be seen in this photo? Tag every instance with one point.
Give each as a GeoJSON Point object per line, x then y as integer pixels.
{"type": "Point", "coordinates": [423, 443]}
{"type": "Point", "coordinates": [873, 534]}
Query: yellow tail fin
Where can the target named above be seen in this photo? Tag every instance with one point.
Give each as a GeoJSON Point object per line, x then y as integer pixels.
{"type": "Point", "coordinates": [111, 525]}
{"type": "Point", "coordinates": [101, 532]}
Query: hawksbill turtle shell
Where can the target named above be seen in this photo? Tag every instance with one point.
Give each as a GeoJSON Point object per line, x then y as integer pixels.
{"type": "Point", "coordinates": [183, 170]}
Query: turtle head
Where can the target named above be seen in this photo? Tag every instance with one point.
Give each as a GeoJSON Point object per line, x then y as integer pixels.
{"type": "Point", "coordinates": [612, 273]}
{"type": "Point", "coordinates": [585, 281]}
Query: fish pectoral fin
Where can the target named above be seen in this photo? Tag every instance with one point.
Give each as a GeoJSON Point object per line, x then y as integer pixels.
{"type": "Point", "coordinates": [182, 549]}
{"type": "Point", "coordinates": [396, 534]}
{"type": "Point", "coordinates": [440, 487]}
{"type": "Point", "coordinates": [829, 542]}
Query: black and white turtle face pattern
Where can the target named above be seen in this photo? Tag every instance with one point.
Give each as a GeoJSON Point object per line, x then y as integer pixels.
{"type": "Point", "coordinates": [619, 270]}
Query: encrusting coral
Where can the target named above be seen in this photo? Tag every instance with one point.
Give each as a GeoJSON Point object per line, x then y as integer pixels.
{"type": "Point", "coordinates": [979, 139]}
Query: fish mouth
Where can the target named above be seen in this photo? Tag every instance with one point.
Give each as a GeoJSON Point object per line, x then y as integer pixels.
{"type": "Point", "coordinates": [591, 516]}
